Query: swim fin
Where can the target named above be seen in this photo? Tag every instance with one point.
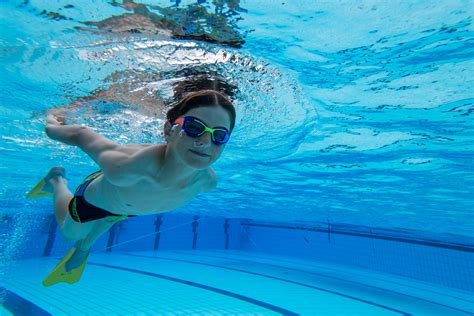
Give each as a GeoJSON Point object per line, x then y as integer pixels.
{"type": "Point", "coordinates": [37, 191]}
{"type": "Point", "coordinates": [59, 273]}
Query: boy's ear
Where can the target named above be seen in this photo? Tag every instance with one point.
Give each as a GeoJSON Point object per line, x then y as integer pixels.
{"type": "Point", "coordinates": [167, 128]}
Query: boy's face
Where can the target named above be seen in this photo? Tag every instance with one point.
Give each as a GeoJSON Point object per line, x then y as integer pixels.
{"type": "Point", "coordinates": [201, 152]}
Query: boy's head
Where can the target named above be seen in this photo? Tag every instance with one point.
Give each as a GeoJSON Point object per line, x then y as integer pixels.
{"type": "Point", "coordinates": [205, 108]}
{"type": "Point", "coordinates": [209, 98]}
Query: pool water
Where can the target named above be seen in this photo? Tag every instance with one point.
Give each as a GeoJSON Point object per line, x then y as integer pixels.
{"type": "Point", "coordinates": [345, 189]}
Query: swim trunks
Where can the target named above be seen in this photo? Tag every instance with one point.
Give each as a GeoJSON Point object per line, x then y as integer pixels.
{"type": "Point", "coordinates": [82, 211]}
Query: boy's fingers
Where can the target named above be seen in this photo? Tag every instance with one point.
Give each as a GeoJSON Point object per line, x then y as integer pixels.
{"type": "Point", "coordinates": [55, 119]}
{"type": "Point", "coordinates": [61, 119]}
{"type": "Point", "coordinates": [51, 119]}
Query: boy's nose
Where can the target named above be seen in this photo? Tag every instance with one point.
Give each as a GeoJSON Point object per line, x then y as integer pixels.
{"type": "Point", "coordinates": [205, 139]}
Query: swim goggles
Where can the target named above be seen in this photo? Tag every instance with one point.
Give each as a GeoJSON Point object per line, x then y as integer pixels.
{"type": "Point", "coordinates": [193, 127]}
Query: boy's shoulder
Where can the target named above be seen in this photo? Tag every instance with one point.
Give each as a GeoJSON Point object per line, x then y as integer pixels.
{"type": "Point", "coordinates": [210, 179]}
{"type": "Point", "coordinates": [133, 148]}
{"type": "Point", "coordinates": [150, 157]}
{"type": "Point", "coordinates": [156, 155]}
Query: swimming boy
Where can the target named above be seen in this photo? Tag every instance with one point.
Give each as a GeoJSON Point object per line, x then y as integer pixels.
{"type": "Point", "coordinates": [136, 179]}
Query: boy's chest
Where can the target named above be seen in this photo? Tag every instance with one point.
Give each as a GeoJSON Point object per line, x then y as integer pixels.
{"type": "Point", "coordinates": [148, 198]}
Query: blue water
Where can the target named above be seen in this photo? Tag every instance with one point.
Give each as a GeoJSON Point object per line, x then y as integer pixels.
{"type": "Point", "coordinates": [356, 115]}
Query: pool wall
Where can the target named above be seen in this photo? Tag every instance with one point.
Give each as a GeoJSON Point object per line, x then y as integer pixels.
{"type": "Point", "coordinates": [435, 262]}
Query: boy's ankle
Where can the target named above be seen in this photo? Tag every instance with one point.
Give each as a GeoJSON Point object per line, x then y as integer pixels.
{"type": "Point", "coordinates": [82, 246]}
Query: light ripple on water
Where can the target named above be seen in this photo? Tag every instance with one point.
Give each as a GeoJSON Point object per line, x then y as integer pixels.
{"type": "Point", "coordinates": [394, 94]}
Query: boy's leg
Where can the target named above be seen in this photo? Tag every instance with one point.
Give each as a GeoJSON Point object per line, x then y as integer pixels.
{"type": "Point", "coordinates": [99, 228]}
{"type": "Point", "coordinates": [61, 198]}
{"type": "Point", "coordinates": [70, 230]}
{"type": "Point", "coordinates": [83, 246]}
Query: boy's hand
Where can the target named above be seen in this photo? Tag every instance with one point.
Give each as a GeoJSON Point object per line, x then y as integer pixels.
{"type": "Point", "coordinates": [53, 119]}
{"type": "Point", "coordinates": [57, 129]}
{"type": "Point", "coordinates": [56, 116]}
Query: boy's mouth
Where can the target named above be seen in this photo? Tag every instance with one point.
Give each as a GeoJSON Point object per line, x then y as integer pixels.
{"type": "Point", "coordinates": [199, 153]}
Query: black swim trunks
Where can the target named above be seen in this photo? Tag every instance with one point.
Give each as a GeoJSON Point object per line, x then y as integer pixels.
{"type": "Point", "coordinates": [82, 211]}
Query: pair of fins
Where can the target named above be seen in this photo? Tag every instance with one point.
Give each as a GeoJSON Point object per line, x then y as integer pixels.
{"type": "Point", "coordinates": [59, 273]}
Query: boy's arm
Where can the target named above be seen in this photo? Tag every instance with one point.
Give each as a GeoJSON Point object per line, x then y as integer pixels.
{"type": "Point", "coordinates": [121, 167]}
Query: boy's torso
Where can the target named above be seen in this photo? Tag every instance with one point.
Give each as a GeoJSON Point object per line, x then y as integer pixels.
{"type": "Point", "coordinates": [148, 196]}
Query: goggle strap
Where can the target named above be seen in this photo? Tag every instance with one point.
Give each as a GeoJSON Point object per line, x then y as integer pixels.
{"type": "Point", "coordinates": [179, 120]}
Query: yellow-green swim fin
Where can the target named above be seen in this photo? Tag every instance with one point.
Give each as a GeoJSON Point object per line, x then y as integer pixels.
{"type": "Point", "coordinates": [39, 189]}
{"type": "Point", "coordinates": [59, 273]}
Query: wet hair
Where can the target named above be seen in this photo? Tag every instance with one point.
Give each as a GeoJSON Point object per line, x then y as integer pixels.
{"type": "Point", "coordinates": [199, 78]}
{"type": "Point", "coordinates": [202, 98]}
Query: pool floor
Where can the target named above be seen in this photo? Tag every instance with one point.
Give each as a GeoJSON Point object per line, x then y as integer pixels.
{"type": "Point", "coordinates": [221, 283]}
